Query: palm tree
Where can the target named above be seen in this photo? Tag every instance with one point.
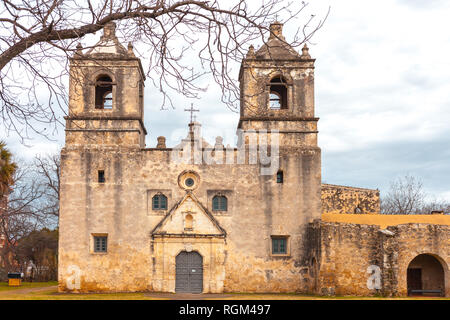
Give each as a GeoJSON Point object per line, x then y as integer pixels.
{"type": "Point", "coordinates": [7, 169]}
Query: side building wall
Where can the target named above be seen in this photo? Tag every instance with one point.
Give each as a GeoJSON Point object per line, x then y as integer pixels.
{"type": "Point", "coordinates": [352, 255]}
{"type": "Point", "coordinates": [349, 200]}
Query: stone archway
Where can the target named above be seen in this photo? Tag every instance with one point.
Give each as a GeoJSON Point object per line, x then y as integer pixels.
{"type": "Point", "coordinates": [426, 276]}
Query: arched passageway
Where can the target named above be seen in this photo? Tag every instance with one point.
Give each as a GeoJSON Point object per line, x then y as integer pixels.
{"type": "Point", "coordinates": [426, 276]}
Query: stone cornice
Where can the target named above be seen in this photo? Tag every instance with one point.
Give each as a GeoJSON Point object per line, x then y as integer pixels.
{"type": "Point", "coordinates": [107, 118]}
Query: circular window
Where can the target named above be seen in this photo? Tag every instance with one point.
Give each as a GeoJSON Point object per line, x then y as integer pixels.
{"type": "Point", "coordinates": [189, 182]}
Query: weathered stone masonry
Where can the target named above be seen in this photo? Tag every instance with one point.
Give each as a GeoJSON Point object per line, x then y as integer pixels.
{"type": "Point", "coordinates": [349, 200]}
{"type": "Point", "coordinates": [110, 180]}
{"type": "Point", "coordinates": [348, 250]}
{"type": "Point", "coordinates": [143, 243]}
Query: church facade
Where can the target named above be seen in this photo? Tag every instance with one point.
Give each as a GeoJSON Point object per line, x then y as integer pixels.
{"type": "Point", "coordinates": [207, 218]}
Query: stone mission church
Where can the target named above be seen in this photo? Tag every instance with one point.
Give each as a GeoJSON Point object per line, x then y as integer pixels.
{"type": "Point", "coordinates": [133, 219]}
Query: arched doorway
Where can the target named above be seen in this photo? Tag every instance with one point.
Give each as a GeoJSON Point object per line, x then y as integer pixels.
{"type": "Point", "coordinates": [189, 272]}
{"type": "Point", "coordinates": [425, 276]}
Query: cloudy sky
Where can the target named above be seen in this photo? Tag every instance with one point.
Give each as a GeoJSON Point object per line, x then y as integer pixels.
{"type": "Point", "coordinates": [382, 96]}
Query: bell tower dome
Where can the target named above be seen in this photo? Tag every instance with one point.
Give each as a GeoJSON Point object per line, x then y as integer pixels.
{"type": "Point", "coordinates": [106, 95]}
{"type": "Point", "coordinates": [277, 91]}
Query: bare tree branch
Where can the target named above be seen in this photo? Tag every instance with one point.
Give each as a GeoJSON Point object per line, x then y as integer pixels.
{"type": "Point", "coordinates": [36, 40]}
{"type": "Point", "coordinates": [407, 196]}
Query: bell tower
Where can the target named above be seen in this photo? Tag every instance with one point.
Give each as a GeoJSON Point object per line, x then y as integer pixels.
{"type": "Point", "coordinates": [106, 95]}
{"type": "Point", "coordinates": [277, 91]}
{"type": "Point", "coordinates": [277, 95]}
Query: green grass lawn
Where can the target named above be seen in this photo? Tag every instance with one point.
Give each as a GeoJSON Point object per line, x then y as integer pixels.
{"type": "Point", "coordinates": [5, 287]}
{"type": "Point", "coordinates": [53, 295]}
{"type": "Point", "coordinates": [13, 293]}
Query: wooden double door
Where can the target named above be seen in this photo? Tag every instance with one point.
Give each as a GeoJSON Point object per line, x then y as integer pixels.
{"type": "Point", "coordinates": [189, 272]}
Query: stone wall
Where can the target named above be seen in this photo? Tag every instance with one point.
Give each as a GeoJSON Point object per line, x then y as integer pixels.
{"type": "Point", "coordinates": [386, 220]}
{"type": "Point", "coordinates": [120, 208]}
{"type": "Point", "coordinates": [349, 200]}
{"type": "Point", "coordinates": [352, 254]}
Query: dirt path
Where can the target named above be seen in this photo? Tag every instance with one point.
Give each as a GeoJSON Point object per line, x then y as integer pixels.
{"type": "Point", "coordinates": [187, 296]}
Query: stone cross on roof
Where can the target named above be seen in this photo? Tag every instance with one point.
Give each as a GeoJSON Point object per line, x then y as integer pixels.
{"type": "Point", "coordinates": [192, 110]}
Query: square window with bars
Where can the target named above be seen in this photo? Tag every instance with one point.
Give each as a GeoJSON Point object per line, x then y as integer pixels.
{"type": "Point", "coordinates": [100, 243]}
{"type": "Point", "coordinates": [279, 245]}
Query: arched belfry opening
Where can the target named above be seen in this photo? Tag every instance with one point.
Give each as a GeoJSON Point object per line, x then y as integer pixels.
{"type": "Point", "coordinates": [278, 93]}
{"type": "Point", "coordinates": [426, 276]}
{"type": "Point", "coordinates": [103, 92]}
